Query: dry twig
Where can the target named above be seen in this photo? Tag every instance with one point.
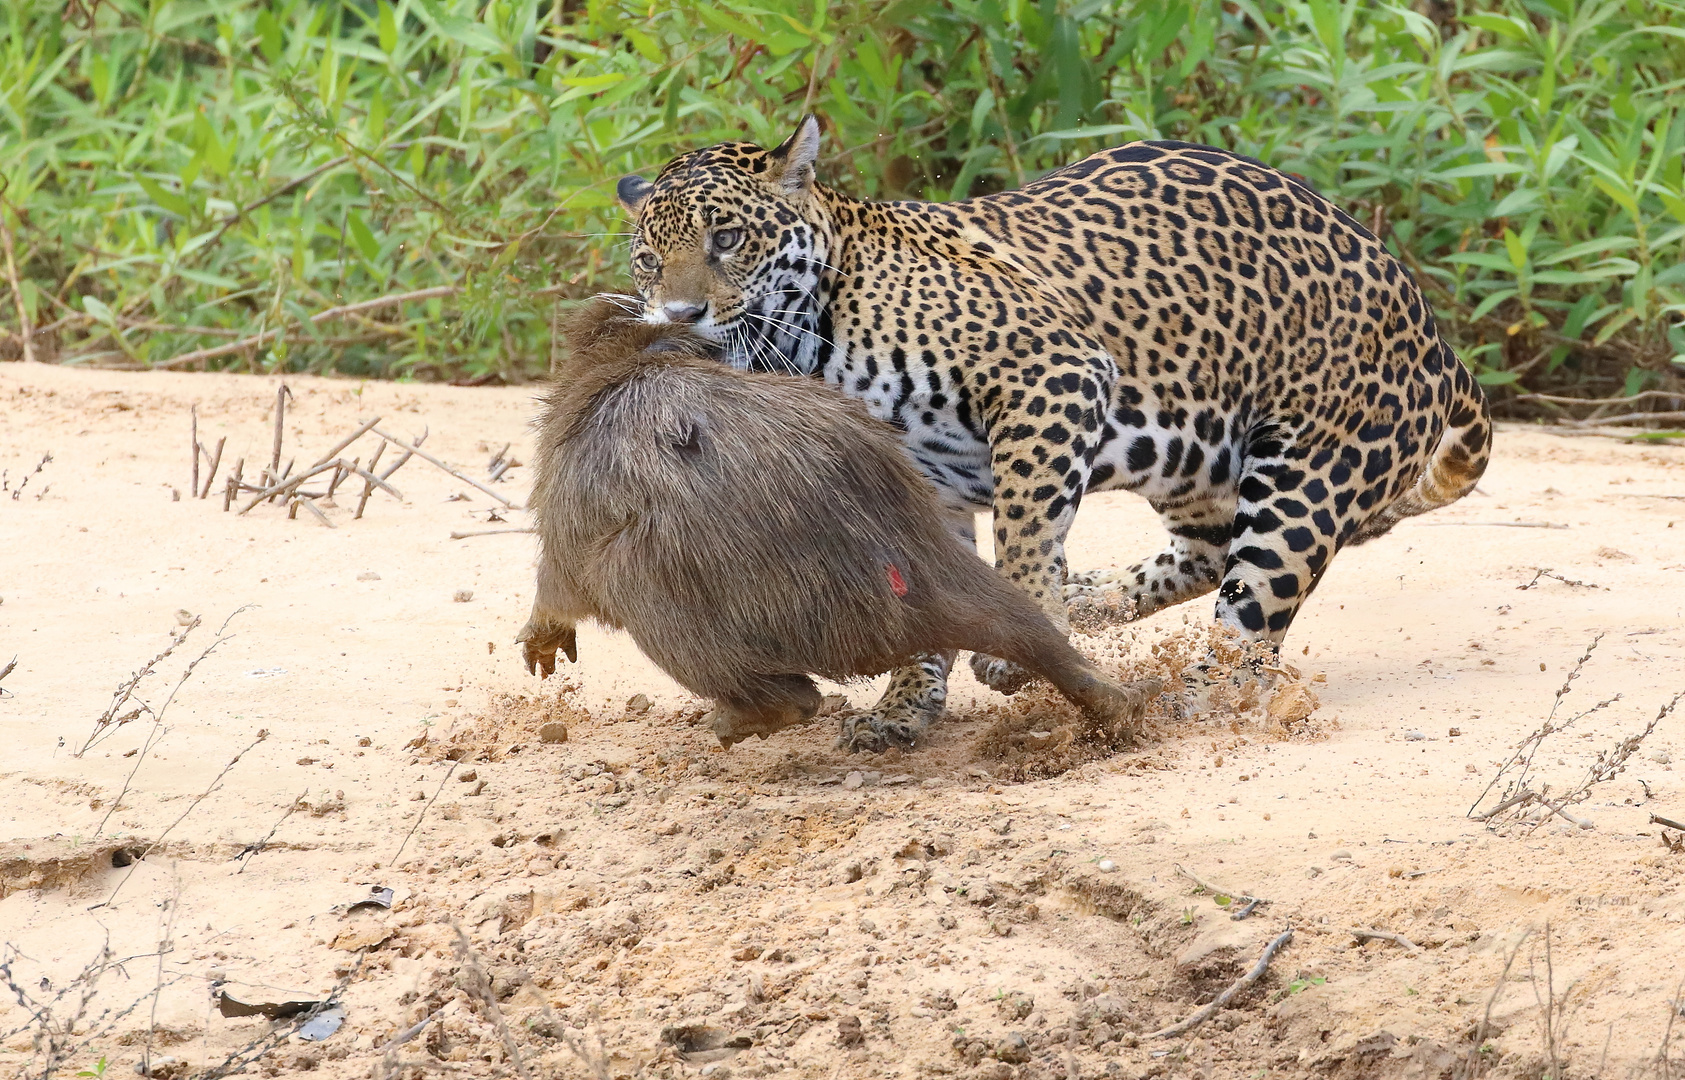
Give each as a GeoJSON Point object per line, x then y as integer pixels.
{"type": "Point", "coordinates": [479, 984]}
{"type": "Point", "coordinates": [489, 532]}
{"type": "Point", "coordinates": [425, 456]}
{"type": "Point", "coordinates": [1216, 890]}
{"type": "Point", "coordinates": [393, 862]}
{"type": "Point", "coordinates": [257, 341]}
{"type": "Point", "coordinates": [1364, 933]}
{"type": "Point", "coordinates": [1228, 995]}
{"type": "Point", "coordinates": [202, 796]}
{"type": "Point", "coordinates": [158, 729]}
{"type": "Point", "coordinates": [110, 721]}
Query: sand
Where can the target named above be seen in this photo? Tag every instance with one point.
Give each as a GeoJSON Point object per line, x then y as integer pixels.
{"type": "Point", "coordinates": [784, 908]}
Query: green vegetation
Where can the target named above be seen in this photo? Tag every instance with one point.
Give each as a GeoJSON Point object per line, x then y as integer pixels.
{"type": "Point", "coordinates": [181, 174]}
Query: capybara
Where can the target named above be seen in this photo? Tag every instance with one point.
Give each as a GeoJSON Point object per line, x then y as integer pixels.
{"type": "Point", "coordinates": [750, 530]}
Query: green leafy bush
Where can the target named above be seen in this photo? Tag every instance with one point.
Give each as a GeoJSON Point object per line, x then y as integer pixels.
{"type": "Point", "coordinates": [184, 174]}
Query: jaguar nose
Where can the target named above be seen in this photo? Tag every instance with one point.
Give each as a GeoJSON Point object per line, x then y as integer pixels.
{"type": "Point", "coordinates": [682, 312]}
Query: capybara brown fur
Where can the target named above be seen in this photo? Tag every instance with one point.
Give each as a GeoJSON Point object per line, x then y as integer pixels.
{"type": "Point", "coordinates": [751, 530]}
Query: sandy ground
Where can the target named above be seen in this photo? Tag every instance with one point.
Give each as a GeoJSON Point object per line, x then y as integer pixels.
{"type": "Point", "coordinates": [785, 909]}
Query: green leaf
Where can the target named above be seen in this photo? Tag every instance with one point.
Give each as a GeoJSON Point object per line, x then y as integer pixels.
{"type": "Point", "coordinates": [169, 200]}
{"type": "Point", "coordinates": [269, 37]}
{"type": "Point", "coordinates": [387, 25]}
{"type": "Point", "coordinates": [1486, 305]}
{"type": "Point", "coordinates": [1497, 378]}
{"type": "Point", "coordinates": [362, 236]}
{"type": "Point", "coordinates": [94, 306]}
{"type": "Point", "coordinates": [1515, 202]}
{"type": "Point", "coordinates": [1516, 248]}
{"type": "Point", "coordinates": [1590, 247]}
{"type": "Point", "coordinates": [1485, 168]}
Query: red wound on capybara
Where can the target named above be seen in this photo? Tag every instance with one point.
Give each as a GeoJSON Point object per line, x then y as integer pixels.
{"type": "Point", "coordinates": [897, 584]}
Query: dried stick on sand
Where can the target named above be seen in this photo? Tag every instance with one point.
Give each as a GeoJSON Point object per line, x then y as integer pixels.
{"type": "Point", "coordinates": [193, 437]}
{"type": "Point", "coordinates": [1216, 890]}
{"type": "Point", "coordinates": [489, 532]}
{"type": "Point", "coordinates": [393, 861]}
{"type": "Point", "coordinates": [362, 429]}
{"type": "Point", "coordinates": [280, 418]}
{"type": "Point", "coordinates": [425, 456]}
{"type": "Point", "coordinates": [368, 486]}
{"type": "Point", "coordinates": [216, 460]}
{"type": "Point", "coordinates": [1364, 933]}
{"type": "Point", "coordinates": [286, 485]}
{"type": "Point", "coordinates": [1226, 996]}
{"type": "Point", "coordinates": [313, 508]}
{"type": "Point", "coordinates": [234, 485]}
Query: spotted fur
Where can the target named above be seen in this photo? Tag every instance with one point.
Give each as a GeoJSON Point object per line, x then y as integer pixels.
{"type": "Point", "coordinates": [1170, 319]}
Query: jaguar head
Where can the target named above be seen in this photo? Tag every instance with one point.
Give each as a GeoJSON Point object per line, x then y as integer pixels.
{"type": "Point", "coordinates": [733, 240]}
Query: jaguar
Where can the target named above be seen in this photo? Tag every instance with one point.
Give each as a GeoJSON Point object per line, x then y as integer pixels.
{"type": "Point", "coordinates": [1171, 319]}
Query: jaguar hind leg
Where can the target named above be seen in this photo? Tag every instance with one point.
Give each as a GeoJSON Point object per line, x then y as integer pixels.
{"type": "Point", "coordinates": [913, 701]}
{"type": "Point", "coordinates": [1190, 567]}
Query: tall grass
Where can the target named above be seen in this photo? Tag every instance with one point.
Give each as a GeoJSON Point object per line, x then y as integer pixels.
{"type": "Point", "coordinates": [181, 174]}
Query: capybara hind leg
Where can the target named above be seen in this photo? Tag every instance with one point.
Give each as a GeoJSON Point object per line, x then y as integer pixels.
{"type": "Point", "coordinates": [914, 700]}
{"type": "Point", "coordinates": [781, 701]}
{"type": "Point", "coordinates": [1118, 708]}
{"type": "Point", "coordinates": [1040, 650]}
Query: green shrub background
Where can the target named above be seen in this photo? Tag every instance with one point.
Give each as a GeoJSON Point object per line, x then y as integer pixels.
{"type": "Point", "coordinates": [180, 174]}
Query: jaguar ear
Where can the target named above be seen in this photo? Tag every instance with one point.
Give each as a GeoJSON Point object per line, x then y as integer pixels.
{"type": "Point", "coordinates": [632, 191]}
{"type": "Point", "coordinates": [793, 159]}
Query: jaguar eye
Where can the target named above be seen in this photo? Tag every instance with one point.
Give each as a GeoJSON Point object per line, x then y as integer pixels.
{"type": "Point", "coordinates": [725, 240]}
{"type": "Point", "coordinates": [647, 262]}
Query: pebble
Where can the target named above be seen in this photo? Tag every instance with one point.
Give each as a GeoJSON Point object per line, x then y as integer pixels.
{"type": "Point", "coordinates": [553, 732]}
{"type": "Point", "coordinates": [853, 780]}
{"type": "Point", "coordinates": [368, 575]}
{"type": "Point", "coordinates": [1107, 866]}
{"type": "Point", "coordinates": [637, 705]}
{"type": "Point", "coordinates": [462, 596]}
{"type": "Point", "coordinates": [468, 777]}
{"type": "Point", "coordinates": [1341, 856]}
{"type": "Point", "coordinates": [1415, 736]}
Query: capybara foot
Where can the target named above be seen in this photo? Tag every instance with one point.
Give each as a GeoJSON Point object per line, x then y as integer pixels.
{"type": "Point", "coordinates": [540, 642]}
{"type": "Point", "coordinates": [1002, 676]}
{"type": "Point", "coordinates": [734, 723]}
{"type": "Point", "coordinates": [1120, 707]}
{"type": "Point", "coordinates": [914, 701]}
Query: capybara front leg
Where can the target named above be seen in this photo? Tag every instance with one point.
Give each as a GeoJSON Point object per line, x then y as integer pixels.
{"type": "Point", "coordinates": [540, 639]}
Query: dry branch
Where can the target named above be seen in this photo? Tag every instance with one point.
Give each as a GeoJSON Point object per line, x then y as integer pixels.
{"type": "Point", "coordinates": [259, 340]}
{"type": "Point", "coordinates": [1228, 995]}
{"type": "Point", "coordinates": [109, 721]}
{"type": "Point", "coordinates": [203, 795]}
{"type": "Point", "coordinates": [425, 456]}
{"type": "Point", "coordinates": [1216, 890]}
{"type": "Point", "coordinates": [489, 532]}
{"type": "Point", "coordinates": [216, 461]}
{"type": "Point", "coordinates": [1365, 933]}
{"type": "Point", "coordinates": [27, 331]}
